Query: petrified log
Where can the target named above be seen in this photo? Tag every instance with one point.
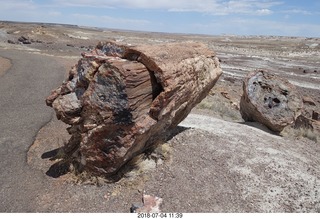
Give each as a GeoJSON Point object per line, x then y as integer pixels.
{"type": "Point", "coordinates": [119, 100]}
{"type": "Point", "coordinates": [270, 100]}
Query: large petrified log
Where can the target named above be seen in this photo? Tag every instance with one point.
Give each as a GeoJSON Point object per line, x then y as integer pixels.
{"type": "Point", "coordinates": [270, 100]}
{"type": "Point", "coordinates": [119, 100]}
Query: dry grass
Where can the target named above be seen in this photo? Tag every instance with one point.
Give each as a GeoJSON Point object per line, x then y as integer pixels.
{"type": "Point", "coordinates": [131, 174]}
{"type": "Point", "coordinates": [301, 133]}
{"type": "Point", "coordinates": [221, 107]}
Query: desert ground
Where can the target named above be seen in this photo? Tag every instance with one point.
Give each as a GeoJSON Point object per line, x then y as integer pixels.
{"type": "Point", "coordinates": [212, 162]}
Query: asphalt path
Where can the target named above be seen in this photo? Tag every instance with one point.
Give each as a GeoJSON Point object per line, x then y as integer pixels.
{"type": "Point", "coordinates": [23, 89]}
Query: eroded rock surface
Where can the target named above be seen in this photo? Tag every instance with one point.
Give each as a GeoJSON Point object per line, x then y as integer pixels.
{"type": "Point", "coordinates": [119, 100]}
{"type": "Point", "coordinates": [270, 100]}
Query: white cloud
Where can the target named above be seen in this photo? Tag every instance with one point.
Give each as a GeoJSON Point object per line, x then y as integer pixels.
{"type": "Point", "coordinates": [18, 5]}
{"type": "Point", "coordinates": [213, 7]}
{"type": "Point", "coordinates": [249, 7]}
{"type": "Point", "coordinates": [108, 19]}
{"type": "Point", "coordinates": [82, 3]}
{"type": "Point", "coordinates": [28, 11]}
{"type": "Point", "coordinates": [241, 26]}
{"type": "Point", "coordinates": [172, 5]}
{"type": "Point", "coordinates": [54, 13]}
{"type": "Point", "coordinates": [111, 22]}
{"type": "Point", "coordinates": [264, 12]}
{"type": "Point", "coordinates": [297, 11]}
{"type": "Point", "coordinates": [216, 7]}
{"type": "Point", "coordinates": [235, 23]}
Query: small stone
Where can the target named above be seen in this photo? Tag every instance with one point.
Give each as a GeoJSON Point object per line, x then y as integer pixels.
{"type": "Point", "coordinates": [12, 42]}
{"type": "Point", "coordinates": [24, 40]}
{"type": "Point", "coordinates": [151, 204]}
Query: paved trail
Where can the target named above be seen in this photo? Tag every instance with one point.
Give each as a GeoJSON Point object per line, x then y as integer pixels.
{"type": "Point", "coordinates": [23, 112]}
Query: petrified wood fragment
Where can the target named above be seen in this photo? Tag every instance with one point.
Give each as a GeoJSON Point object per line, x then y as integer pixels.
{"type": "Point", "coordinates": [119, 100]}
{"type": "Point", "coordinates": [270, 100]}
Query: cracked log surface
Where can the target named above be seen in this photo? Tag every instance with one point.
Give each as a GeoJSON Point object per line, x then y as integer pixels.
{"type": "Point", "coordinates": [119, 100]}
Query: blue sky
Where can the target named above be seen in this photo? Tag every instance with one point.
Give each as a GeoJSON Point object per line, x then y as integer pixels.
{"type": "Point", "coordinates": [242, 17]}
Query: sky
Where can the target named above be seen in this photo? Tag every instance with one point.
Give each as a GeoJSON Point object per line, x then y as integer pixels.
{"type": "Point", "coordinates": [213, 17]}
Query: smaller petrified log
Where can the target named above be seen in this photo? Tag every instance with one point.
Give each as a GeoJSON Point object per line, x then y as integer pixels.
{"type": "Point", "coordinates": [119, 100]}
{"type": "Point", "coordinates": [270, 100]}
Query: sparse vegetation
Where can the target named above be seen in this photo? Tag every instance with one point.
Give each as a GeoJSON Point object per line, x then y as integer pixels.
{"type": "Point", "coordinates": [301, 133]}
{"type": "Point", "coordinates": [135, 170]}
{"type": "Point", "coordinates": [221, 107]}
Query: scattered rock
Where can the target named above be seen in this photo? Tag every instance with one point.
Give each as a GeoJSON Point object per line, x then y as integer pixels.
{"type": "Point", "coordinates": [151, 204]}
{"type": "Point", "coordinates": [270, 100]}
{"type": "Point", "coordinates": [24, 40]}
{"type": "Point", "coordinates": [308, 71]}
{"type": "Point", "coordinates": [225, 94]}
{"type": "Point", "coordinates": [13, 31]}
{"type": "Point", "coordinates": [36, 41]}
{"type": "Point", "coordinates": [235, 105]}
{"type": "Point", "coordinates": [134, 208]}
{"type": "Point", "coordinates": [12, 42]}
{"type": "Point", "coordinates": [120, 100]}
